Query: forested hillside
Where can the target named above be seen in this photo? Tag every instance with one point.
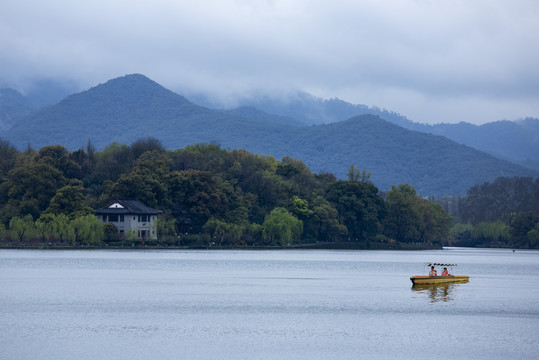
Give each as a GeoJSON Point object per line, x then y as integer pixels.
{"type": "Point", "coordinates": [434, 165]}
{"type": "Point", "coordinates": [132, 107]}
{"type": "Point", "coordinates": [216, 197]}
{"type": "Point", "coordinates": [208, 195]}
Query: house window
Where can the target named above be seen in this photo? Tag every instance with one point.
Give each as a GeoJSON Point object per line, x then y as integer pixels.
{"type": "Point", "coordinates": [104, 218]}
{"type": "Point", "coordinates": [121, 218]}
{"type": "Point", "coordinates": [113, 218]}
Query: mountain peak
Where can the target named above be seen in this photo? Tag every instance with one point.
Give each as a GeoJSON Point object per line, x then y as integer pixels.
{"type": "Point", "coordinates": [134, 79]}
{"type": "Point", "coordinates": [134, 85]}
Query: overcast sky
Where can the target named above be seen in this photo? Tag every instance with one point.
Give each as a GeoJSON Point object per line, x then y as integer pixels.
{"type": "Point", "coordinates": [432, 61]}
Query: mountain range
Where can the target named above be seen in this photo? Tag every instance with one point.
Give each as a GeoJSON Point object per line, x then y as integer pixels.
{"type": "Point", "coordinates": [131, 107]}
{"type": "Point", "coordinates": [515, 141]}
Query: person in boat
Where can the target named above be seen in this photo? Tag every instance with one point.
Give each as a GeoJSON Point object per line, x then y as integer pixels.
{"type": "Point", "coordinates": [445, 272]}
{"type": "Point", "coordinates": [432, 271]}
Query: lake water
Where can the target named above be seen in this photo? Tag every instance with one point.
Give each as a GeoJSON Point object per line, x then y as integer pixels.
{"type": "Point", "coordinates": [312, 304]}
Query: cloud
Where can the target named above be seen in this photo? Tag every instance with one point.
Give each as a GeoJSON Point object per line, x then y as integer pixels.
{"type": "Point", "coordinates": [429, 60]}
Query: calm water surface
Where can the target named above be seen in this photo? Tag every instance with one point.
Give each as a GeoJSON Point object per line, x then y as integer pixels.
{"type": "Point", "coordinates": [266, 305]}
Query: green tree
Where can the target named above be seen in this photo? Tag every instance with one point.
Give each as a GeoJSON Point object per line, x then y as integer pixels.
{"type": "Point", "coordinates": [58, 157]}
{"type": "Point", "coordinates": [87, 229]}
{"type": "Point", "coordinates": [110, 232]}
{"type": "Point", "coordinates": [533, 236]}
{"type": "Point", "coordinates": [133, 235]}
{"type": "Point", "coordinates": [491, 233]}
{"type": "Point", "coordinates": [281, 227]}
{"type": "Point", "coordinates": [224, 233]}
{"type": "Point", "coordinates": [490, 202]}
{"type": "Point", "coordinates": [300, 207]}
{"type": "Point", "coordinates": [139, 184]}
{"type": "Point", "coordinates": [28, 189]}
{"type": "Point", "coordinates": [325, 223]}
{"type": "Point", "coordinates": [521, 225]}
{"type": "Point", "coordinates": [8, 157]}
{"type": "Point", "coordinates": [69, 200]}
{"type": "Point", "coordinates": [44, 226]}
{"type": "Point", "coordinates": [195, 196]}
{"type": "Point", "coordinates": [253, 233]}
{"type": "Point", "coordinates": [113, 161]}
{"type": "Point", "coordinates": [256, 176]}
{"type": "Point", "coordinates": [61, 228]}
{"type": "Point", "coordinates": [355, 174]}
{"type": "Point", "coordinates": [147, 144]}
{"type": "Point", "coordinates": [460, 231]}
{"type": "Point", "coordinates": [166, 229]}
{"type": "Point", "coordinates": [434, 223]}
{"type": "Point", "coordinates": [23, 228]}
{"type": "Point", "coordinates": [360, 207]}
{"type": "Point", "coordinates": [403, 219]}
{"type": "Point", "coordinates": [203, 157]}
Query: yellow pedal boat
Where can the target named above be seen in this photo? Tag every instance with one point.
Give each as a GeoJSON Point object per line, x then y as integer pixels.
{"type": "Point", "coordinates": [447, 279]}
{"type": "Point", "coordinates": [418, 279]}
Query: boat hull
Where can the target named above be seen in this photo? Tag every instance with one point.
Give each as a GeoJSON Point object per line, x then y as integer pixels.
{"type": "Point", "coordinates": [439, 279]}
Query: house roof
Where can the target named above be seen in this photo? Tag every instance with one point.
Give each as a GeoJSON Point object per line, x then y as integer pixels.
{"type": "Point", "coordinates": [127, 207]}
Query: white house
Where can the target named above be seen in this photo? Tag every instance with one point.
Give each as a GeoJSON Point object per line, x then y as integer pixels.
{"type": "Point", "coordinates": [128, 215]}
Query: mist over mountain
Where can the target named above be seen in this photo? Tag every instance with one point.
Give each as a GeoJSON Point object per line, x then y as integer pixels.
{"type": "Point", "coordinates": [312, 110]}
{"type": "Point", "coordinates": [132, 107]}
{"type": "Point", "coordinates": [125, 109]}
{"type": "Point", "coordinates": [13, 105]}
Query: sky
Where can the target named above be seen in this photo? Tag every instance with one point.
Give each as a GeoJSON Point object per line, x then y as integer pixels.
{"type": "Point", "coordinates": [431, 61]}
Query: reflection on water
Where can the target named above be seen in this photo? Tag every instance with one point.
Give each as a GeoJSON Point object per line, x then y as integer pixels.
{"type": "Point", "coordinates": [437, 292]}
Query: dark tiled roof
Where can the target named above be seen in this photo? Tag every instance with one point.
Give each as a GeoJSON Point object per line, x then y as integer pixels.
{"type": "Point", "coordinates": [130, 207]}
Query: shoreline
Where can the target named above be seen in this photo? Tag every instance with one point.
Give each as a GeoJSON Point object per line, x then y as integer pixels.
{"type": "Point", "coordinates": [313, 246]}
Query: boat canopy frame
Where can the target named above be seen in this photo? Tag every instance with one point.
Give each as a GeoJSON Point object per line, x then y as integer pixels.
{"type": "Point", "coordinates": [439, 264]}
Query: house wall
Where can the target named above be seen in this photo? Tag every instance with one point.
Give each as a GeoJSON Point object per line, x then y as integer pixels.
{"type": "Point", "coordinates": [146, 228]}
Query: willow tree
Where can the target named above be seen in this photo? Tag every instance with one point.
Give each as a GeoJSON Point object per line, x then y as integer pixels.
{"type": "Point", "coordinates": [281, 227]}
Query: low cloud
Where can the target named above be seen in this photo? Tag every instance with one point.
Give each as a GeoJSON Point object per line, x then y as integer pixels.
{"type": "Point", "coordinates": [431, 61]}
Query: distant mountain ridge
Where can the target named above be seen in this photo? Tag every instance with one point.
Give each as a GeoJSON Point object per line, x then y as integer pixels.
{"type": "Point", "coordinates": [515, 141]}
{"type": "Point", "coordinates": [132, 107]}
{"type": "Point", "coordinates": [251, 112]}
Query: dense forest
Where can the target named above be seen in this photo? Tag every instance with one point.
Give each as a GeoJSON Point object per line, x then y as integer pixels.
{"type": "Point", "coordinates": [226, 198]}
{"type": "Point", "coordinates": [504, 213]}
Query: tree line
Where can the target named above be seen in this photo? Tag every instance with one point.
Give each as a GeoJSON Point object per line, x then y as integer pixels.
{"type": "Point", "coordinates": [208, 195]}
{"type": "Point", "coordinates": [502, 213]}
